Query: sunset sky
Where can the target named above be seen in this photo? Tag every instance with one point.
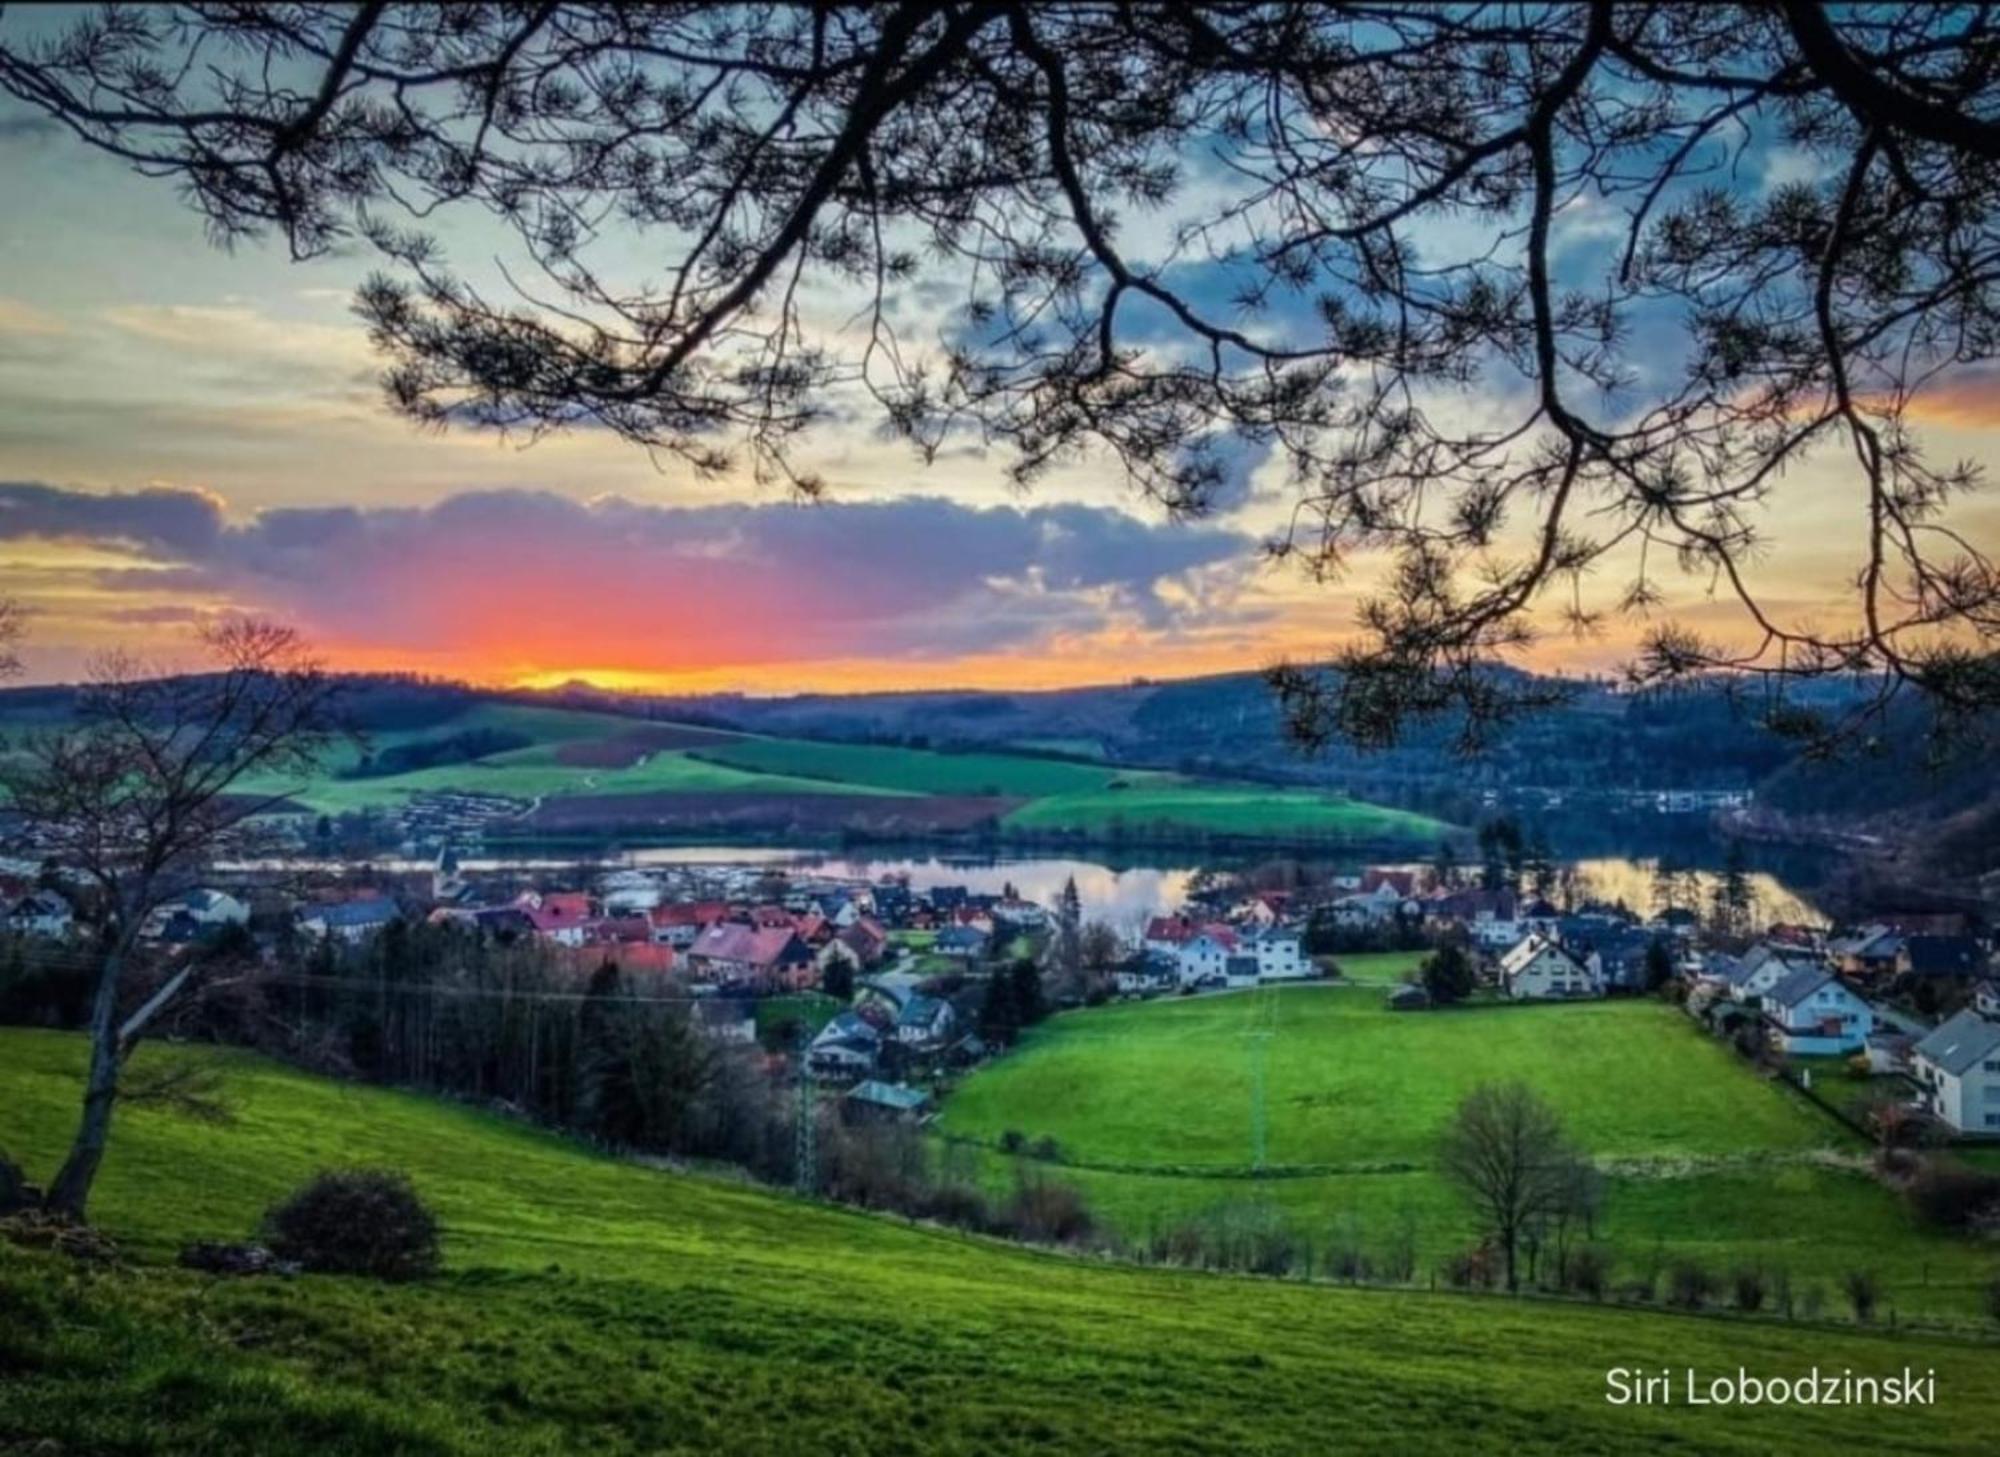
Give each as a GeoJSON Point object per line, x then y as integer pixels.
{"type": "Point", "coordinates": [186, 432]}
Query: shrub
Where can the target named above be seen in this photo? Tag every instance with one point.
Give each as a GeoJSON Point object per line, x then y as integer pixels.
{"type": "Point", "coordinates": [1047, 1149]}
{"type": "Point", "coordinates": [1947, 1194]}
{"type": "Point", "coordinates": [356, 1222]}
{"type": "Point", "coordinates": [1993, 1297]}
{"type": "Point", "coordinates": [1470, 1267]}
{"type": "Point", "coordinates": [1589, 1272]}
{"type": "Point", "coordinates": [1050, 1212]}
{"type": "Point", "coordinates": [1013, 1141]}
{"type": "Point", "coordinates": [1862, 1292]}
{"type": "Point", "coordinates": [1690, 1285]}
{"type": "Point", "coordinates": [1749, 1285]}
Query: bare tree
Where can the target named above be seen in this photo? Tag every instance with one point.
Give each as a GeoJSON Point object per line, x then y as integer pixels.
{"type": "Point", "coordinates": [13, 627]}
{"type": "Point", "coordinates": [1505, 1149]}
{"type": "Point", "coordinates": [133, 797]}
{"type": "Point", "coordinates": [1344, 232]}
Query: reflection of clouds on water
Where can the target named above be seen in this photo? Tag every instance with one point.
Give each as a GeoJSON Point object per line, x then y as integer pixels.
{"type": "Point", "coordinates": [1615, 878]}
{"type": "Point", "coordinates": [1123, 899]}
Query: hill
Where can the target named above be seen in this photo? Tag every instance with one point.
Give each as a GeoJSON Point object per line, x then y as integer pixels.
{"type": "Point", "coordinates": [1319, 1107]}
{"type": "Point", "coordinates": [547, 770]}
{"type": "Point", "coordinates": [593, 1305]}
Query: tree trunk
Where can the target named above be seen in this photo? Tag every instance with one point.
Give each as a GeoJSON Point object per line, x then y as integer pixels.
{"type": "Point", "coordinates": [70, 1193]}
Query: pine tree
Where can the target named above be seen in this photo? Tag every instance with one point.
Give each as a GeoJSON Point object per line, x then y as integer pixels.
{"type": "Point", "coordinates": [1029, 1004]}
{"type": "Point", "coordinates": [999, 1013]}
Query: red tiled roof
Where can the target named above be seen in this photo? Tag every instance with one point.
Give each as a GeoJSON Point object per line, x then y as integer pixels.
{"type": "Point", "coordinates": [734, 941]}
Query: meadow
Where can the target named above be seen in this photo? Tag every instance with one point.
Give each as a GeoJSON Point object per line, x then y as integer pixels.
{"type": "Point", "coordinates": [594, 1305]}
{"type": "Point", "coordinates": [1316, 1107]}
{"type": "Point", "coordinates": [634, 768]}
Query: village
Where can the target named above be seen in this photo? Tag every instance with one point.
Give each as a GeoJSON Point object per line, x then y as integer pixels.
{"type": "Point", "coordinates": [881, 992]}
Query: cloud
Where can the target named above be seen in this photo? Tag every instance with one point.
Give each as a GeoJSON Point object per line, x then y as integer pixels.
{"type": "Point", "coordinates": [519, 580]}
{"type": "Point", "coordinates": [167, 521]}
{"type": "Point", "coordinates": [19, 318]}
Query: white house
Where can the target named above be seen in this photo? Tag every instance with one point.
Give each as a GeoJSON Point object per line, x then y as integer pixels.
{"type": "Point", "coordinates": [1204, 956]}
{"type": "Point", "coordinates": [352, 920]}
{"type": "Point", "coordinates": [1536, 968]}
{"type": "Point", "coordinates": [1958, 1067]}
{"type": "Point", "coordinates": [1280, 956]}
{"type": "Point", "coordinates": [41, 913]}
{"type": "Point", "coordinates": [925, 1022]}
{"type": "Point", "coordinates": [1813, 1012]}
{"type": "Point", "coordinates": [208, 907]}
{"type": "Point", "coordinates": [1766, 964]}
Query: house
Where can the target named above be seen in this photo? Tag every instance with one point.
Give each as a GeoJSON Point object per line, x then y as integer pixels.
{"type": "Point", "coordinates": [846, 1049]}
{"type": "Point", "coordinates": [1280, 956]}
{"type": "Point", "coordinates": [1958, 1068]}
{"type": "Point", "coordinates": [966, 943]}
{"type": "Point", "coordinates": [727, 1020]}
{"type": "Point", "coordinates": [1813, 1012]}
{"type": "Point", "coordinates": [874, 1101]}
{"type": "Point", "coordinates": [1871, 951]}
{"type": "Point", "coordinates": [1940, 957]}
{"type": "Point", "coordinates": [1766, 964]}
{"type": "Point", "coordinates": [349, 920]}
{"type": "Point", "coordinates": [1165, 935]}
{"type": "Point", "coordinates": [1205, 955]}
{"type": "Point", "coordinates": [1239, 971]}
{"type": "Point", "coordinates": [1986, 998]}
{"type": "Point", "coordinates": [679, 924]}
{"type": "Point", "coordinates": [925, 1022]}
{"type": "Point", "coordinates": [764, 957]}
{"type": "Point", "coordinates": [1146, 972]}
{"type": "Point", "coordinates": [866, 938]}
{"type": "Point", "coordinates": [893, 902]}
{"type": "Point", "coordinates": [1889, 1051]}
{"type": "Point", "coordinates": [1538, 968]}
{"type": "Point", "coordinates": [41, 913]}
{"type": "Point", "coordinates": [560, 917]}
{"type": "Point", "coordinates": [208, 907]}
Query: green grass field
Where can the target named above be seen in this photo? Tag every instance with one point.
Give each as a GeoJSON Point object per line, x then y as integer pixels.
{"type": "Point", "coordinates": [1219, 809]}
{"type": "Point", "coordinates": [592, 1305]}
{"type": "Point", "coordinates": [1155, 1107]}
{"type": "Point", "coordinates": [1096, 801]}
{"type": "Point", "coordinates": [910, 770]}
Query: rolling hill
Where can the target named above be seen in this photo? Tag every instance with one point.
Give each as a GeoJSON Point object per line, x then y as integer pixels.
{"type": "Point", "coordinates": [594, 1305]}
{"type": "Point", "coordinates": [560, 771]}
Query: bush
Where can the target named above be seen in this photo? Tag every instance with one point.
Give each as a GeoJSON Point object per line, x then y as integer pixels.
{"type": "Point", "coordinates": [1589, 1272]}
{"type": "Point", "coordinates": [1470, 1267]}
{"type": "Point", "coordinates": [356, 1222]}
{"type": "Point", "coordinates": [1749, 1285]}
{"type": "Point", "coordinates": [1013, 1141]}
{"type": "Point", "coordinates": [1047, 1149]}
{"type": "Point", "coordinates": [1993, 1297]}
{"type": "Point", "coordinates": [1862, 1292]}
{"type": "Point", "coordinates": [1690, 1285]}
{"type": "Point", "coordinates": [1046, 1211]}
{"type": "Point", "coordinates": [1946, 1194]}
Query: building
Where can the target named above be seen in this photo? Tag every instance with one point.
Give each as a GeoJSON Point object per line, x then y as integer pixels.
{"type": "Point", "coordinates": [1204, 956]}
{"type": "Point", "coordinates": [1537, 968]}
{"type": "Point", "coordinates": [768, 958]}
{"type": "Point", "coordinates": [1812, 1012]}
{"type": "Point", "coordinates": [874, 1101]}
{"type": "Point", "coordinates": [1958, 1068]}
{"type": "Point", "coordinates": [846, 1049]}
{"type": "Point", "coordinates": [350, 920]}
{"type": "Point", "coordinates": [41, 913]}
{"type": "Point", "coordinates": [1280, 956]}
{"type": "Point", "coordinates": [925, 1022]}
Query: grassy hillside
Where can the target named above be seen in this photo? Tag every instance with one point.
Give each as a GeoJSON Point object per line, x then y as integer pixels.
{"type": "Point", "coordinates": [1157, 1108]}
{"type": "Point", "coordinates": [590, 1305]}
{"type": "Point", "coordinates": [590, 766]}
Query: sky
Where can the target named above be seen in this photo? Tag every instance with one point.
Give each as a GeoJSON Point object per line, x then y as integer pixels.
{"type": "Point", "coordinates": [187, 432]}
